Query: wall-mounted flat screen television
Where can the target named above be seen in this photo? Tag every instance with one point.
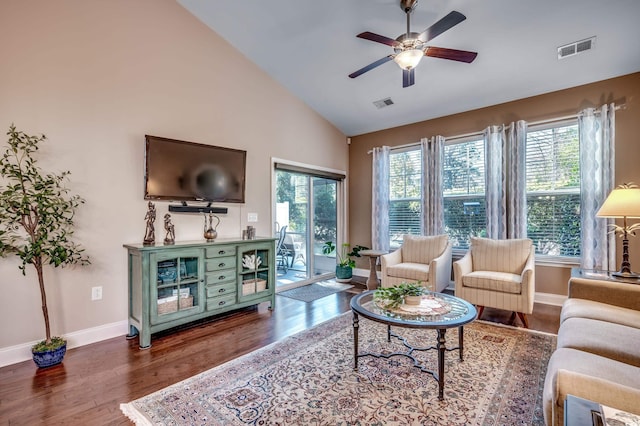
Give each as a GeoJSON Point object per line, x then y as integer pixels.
{"type": "Point", "coordinates": [186, 171]}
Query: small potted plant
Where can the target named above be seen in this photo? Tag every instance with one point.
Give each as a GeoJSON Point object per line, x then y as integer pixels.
{"type": "Point", "coordinates": [392, 297]}
{"type": "Point", "coordinates": [345, 263]}
{"type": "Point", "coordinates": [36, 224]}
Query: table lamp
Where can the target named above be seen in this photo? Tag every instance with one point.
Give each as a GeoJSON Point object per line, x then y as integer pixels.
{"type": "Point", "coordinates": [624, 202]}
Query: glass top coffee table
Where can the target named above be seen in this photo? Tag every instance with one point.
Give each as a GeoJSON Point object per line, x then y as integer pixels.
{"type": "Point", "coordinates": [437, 311]}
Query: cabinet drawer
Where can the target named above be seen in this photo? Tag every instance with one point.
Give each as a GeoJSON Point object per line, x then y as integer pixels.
{"type": "Point", "coordinates": [221, 302]}
{"type": "Point", "coordinates": [220, 263]}
{"type": "Point", "coordinates": [220, 251]}
{"type": "Point", "coordinates": [223, 276]}
{"type": "Point", "coordinates": [221, 289]}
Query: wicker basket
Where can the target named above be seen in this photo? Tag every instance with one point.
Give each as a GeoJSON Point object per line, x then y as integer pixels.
{"type": "Point", "coordinates": [253, 286]}
{"type": "Point", "coordinates": [170, 304]}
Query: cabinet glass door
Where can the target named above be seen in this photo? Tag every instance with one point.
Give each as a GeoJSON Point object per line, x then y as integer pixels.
{"type": "Point", "coordinates": [255, 274]}
{"type": "Point", "coordinates": [178, 288]}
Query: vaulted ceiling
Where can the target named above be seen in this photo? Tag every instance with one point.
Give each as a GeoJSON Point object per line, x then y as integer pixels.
{"type": "Point", "coordinates": [310, 47]}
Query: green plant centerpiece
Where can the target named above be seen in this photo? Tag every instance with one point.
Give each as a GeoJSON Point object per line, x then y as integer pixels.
{"type": "Point", "coordinates": [36, 224]}
{"type": "Point", "coordinates": [392, 297]}
{"type": "Point", "coordinates": [344, 261]}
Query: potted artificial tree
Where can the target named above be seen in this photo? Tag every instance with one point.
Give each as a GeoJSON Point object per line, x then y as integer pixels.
{"type": "Point", "coordinates": [36, 224]}
{"type": "Point", "coordinates": [345, 263]}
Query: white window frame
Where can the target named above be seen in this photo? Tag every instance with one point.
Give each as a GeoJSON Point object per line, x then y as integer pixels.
{"type": "Point", "coordinates": [552, 260]}
{"type": "Point", "coordinates": [396, 151]}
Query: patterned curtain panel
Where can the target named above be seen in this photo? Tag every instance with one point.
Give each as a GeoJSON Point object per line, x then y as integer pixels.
{"type": "Point", "coordinates": [517, 182]}
{"type": "Point", "coordinates": [380, 199]}
{"type": "Point", "coordinates": [495, 182]}
{"type": "Point", "coordinates": [432, 198]}
{"type": "Point", "coordinates": [597, 173]}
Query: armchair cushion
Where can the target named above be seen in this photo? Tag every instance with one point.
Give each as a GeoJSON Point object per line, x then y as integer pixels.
{"type": "Point", "coordinates": [500, 255]}
{"type": "Point", "coordinates": [421, 249]}
{"type": "Point", "coordinates": [409, 271]}
{"type": "Point", "coordinates": [494, 281]}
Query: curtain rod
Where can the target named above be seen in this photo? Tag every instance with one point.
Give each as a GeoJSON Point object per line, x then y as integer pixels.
{"type": "Point", "coordinates": [533, 123]}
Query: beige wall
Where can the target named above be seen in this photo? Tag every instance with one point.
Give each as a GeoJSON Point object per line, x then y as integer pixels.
{"type": "Point", "coordinates": [95, 77]}
{"type": "Point", "coordinates": [622, 90]}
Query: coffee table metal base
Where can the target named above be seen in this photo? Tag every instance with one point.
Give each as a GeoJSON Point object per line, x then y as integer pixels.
{"type": "Point", "coordinates": [440, 347]}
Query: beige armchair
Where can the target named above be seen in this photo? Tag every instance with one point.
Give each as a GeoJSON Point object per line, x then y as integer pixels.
{"type": "Point", "coordinates": [424, 259]}
{"type": "Point", "coordinates": [499, 274]}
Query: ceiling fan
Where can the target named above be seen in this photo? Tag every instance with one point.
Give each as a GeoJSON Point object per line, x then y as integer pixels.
{"type": "Point", "coordinates": [410, 47]}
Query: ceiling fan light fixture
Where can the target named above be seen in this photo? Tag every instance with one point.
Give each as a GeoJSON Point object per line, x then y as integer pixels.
{"type": "Point", "coordinates": [408, 59]}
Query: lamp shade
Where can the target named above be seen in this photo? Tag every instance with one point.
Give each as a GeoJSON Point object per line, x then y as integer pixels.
{"type": "Point", "coordinates": [621, 202]}
{"type": "Point", "coordinates": [409, 59]}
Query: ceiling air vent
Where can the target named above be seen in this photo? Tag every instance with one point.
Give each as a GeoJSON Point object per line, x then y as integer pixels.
{"type": "Point", "coordinates": [576, 47]}
{"type": "Point", "coordinates": [382, 103]}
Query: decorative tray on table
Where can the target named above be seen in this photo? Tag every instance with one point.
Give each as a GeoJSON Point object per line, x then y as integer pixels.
{"type": "Point", "coordinates": [430, 304]}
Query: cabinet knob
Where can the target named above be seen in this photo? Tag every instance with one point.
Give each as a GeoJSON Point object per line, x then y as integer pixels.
{"type": "Point", "coordinates": [221, 265]}
{"type": "Point", "coordinates": [222, 290]}
{"type": "Point", "coordinates": [222, 302]}
{"type": "Point", "coordinates": [221, 277]}
{"type": "Point", "coordinates": [221, 252]}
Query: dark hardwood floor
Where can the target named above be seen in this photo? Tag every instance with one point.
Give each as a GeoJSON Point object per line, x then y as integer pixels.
{"type": "Point", "coordinates": [88, 387]}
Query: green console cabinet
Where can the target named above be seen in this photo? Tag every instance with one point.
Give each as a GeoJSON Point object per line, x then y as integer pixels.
{"type": "Point", "coordinates": [175, 284]}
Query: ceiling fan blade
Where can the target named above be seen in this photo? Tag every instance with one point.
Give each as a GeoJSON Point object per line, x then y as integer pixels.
{"type": "Point", "coordinates": [371, 66]}
{"type": "Point", "coordinates": [408, 77]}
{"type": "Point", "coordinates": [378, 38]}
{"type": "Point", "coordinates": [449, 21]}
{"type": "Point", "coordinates": [452, 54]}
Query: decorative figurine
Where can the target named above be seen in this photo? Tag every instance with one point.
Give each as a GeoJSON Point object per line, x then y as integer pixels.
{"type": "Point", "coordinates": [150, 234]}
{"type": "Point", "coordinates": [170, 236]}
{"type": "Point", "coordinates": [211, 233]}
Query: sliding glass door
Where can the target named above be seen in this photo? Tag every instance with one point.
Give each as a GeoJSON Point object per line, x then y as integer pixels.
{"type": "Point", "coordinates": [307, 214]}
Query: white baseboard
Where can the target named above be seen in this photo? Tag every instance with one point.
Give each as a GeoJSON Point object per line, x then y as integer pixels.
{"type": "Point", "coordinates": [22, 352]}
{"type": "Point", "coordinates": [549, 299]}
{"type": "Point", "coordinates": [358, 272]}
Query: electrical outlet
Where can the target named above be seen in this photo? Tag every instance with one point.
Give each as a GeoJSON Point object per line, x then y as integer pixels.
{"type": "Point", "coordinates": [252, 217]}
{"type": "Point", "coordinates": [96, 293]}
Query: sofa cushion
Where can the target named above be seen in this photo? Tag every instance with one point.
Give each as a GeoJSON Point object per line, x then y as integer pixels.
{"type": "Point", "coordinates": [494, 281]}
{"type": "Point", "coordinates": [423, 249]}
{"type": "Point", "coordinates": [410, 271]}
{"type": "Point", "coordinates": [572, 372]}
{"type": "Point", "coordinates": [500, 255]}
{"type": "Point", "coordinates": [609, 340]}
{"type": "Point", "coordinates": [581, 308]}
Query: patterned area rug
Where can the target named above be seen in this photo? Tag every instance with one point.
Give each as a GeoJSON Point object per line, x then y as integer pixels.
{"type": "Point", "coordinates": [308, 378]}
{"type": "Point", "coordinates": [314, 291]}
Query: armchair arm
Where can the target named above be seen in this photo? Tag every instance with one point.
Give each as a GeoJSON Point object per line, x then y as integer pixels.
{"type": "Point", "coordinates": [440, 269]}
{"type": "Point", "coordinates": [462, 267]}
{"type": "Point", "coordinates": [620, 294]}
{"type": "Point", "coordinates": [528, 278]}
{"type": "Point", "coordinates": [390, 259]}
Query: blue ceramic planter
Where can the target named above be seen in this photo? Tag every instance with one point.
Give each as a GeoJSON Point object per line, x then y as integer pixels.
{"type": "Point", "coordinates": [343, 273]}
{"type": "Point", "coordinates": [49, 358]}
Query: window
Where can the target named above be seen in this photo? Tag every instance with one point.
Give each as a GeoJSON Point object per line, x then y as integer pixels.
{"type": "Point", "coordinates": [463, 190]}
{"type": "Point", "coordinates": [405, 183]}
{"type": "Point", "coordinates": [553, 189]}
